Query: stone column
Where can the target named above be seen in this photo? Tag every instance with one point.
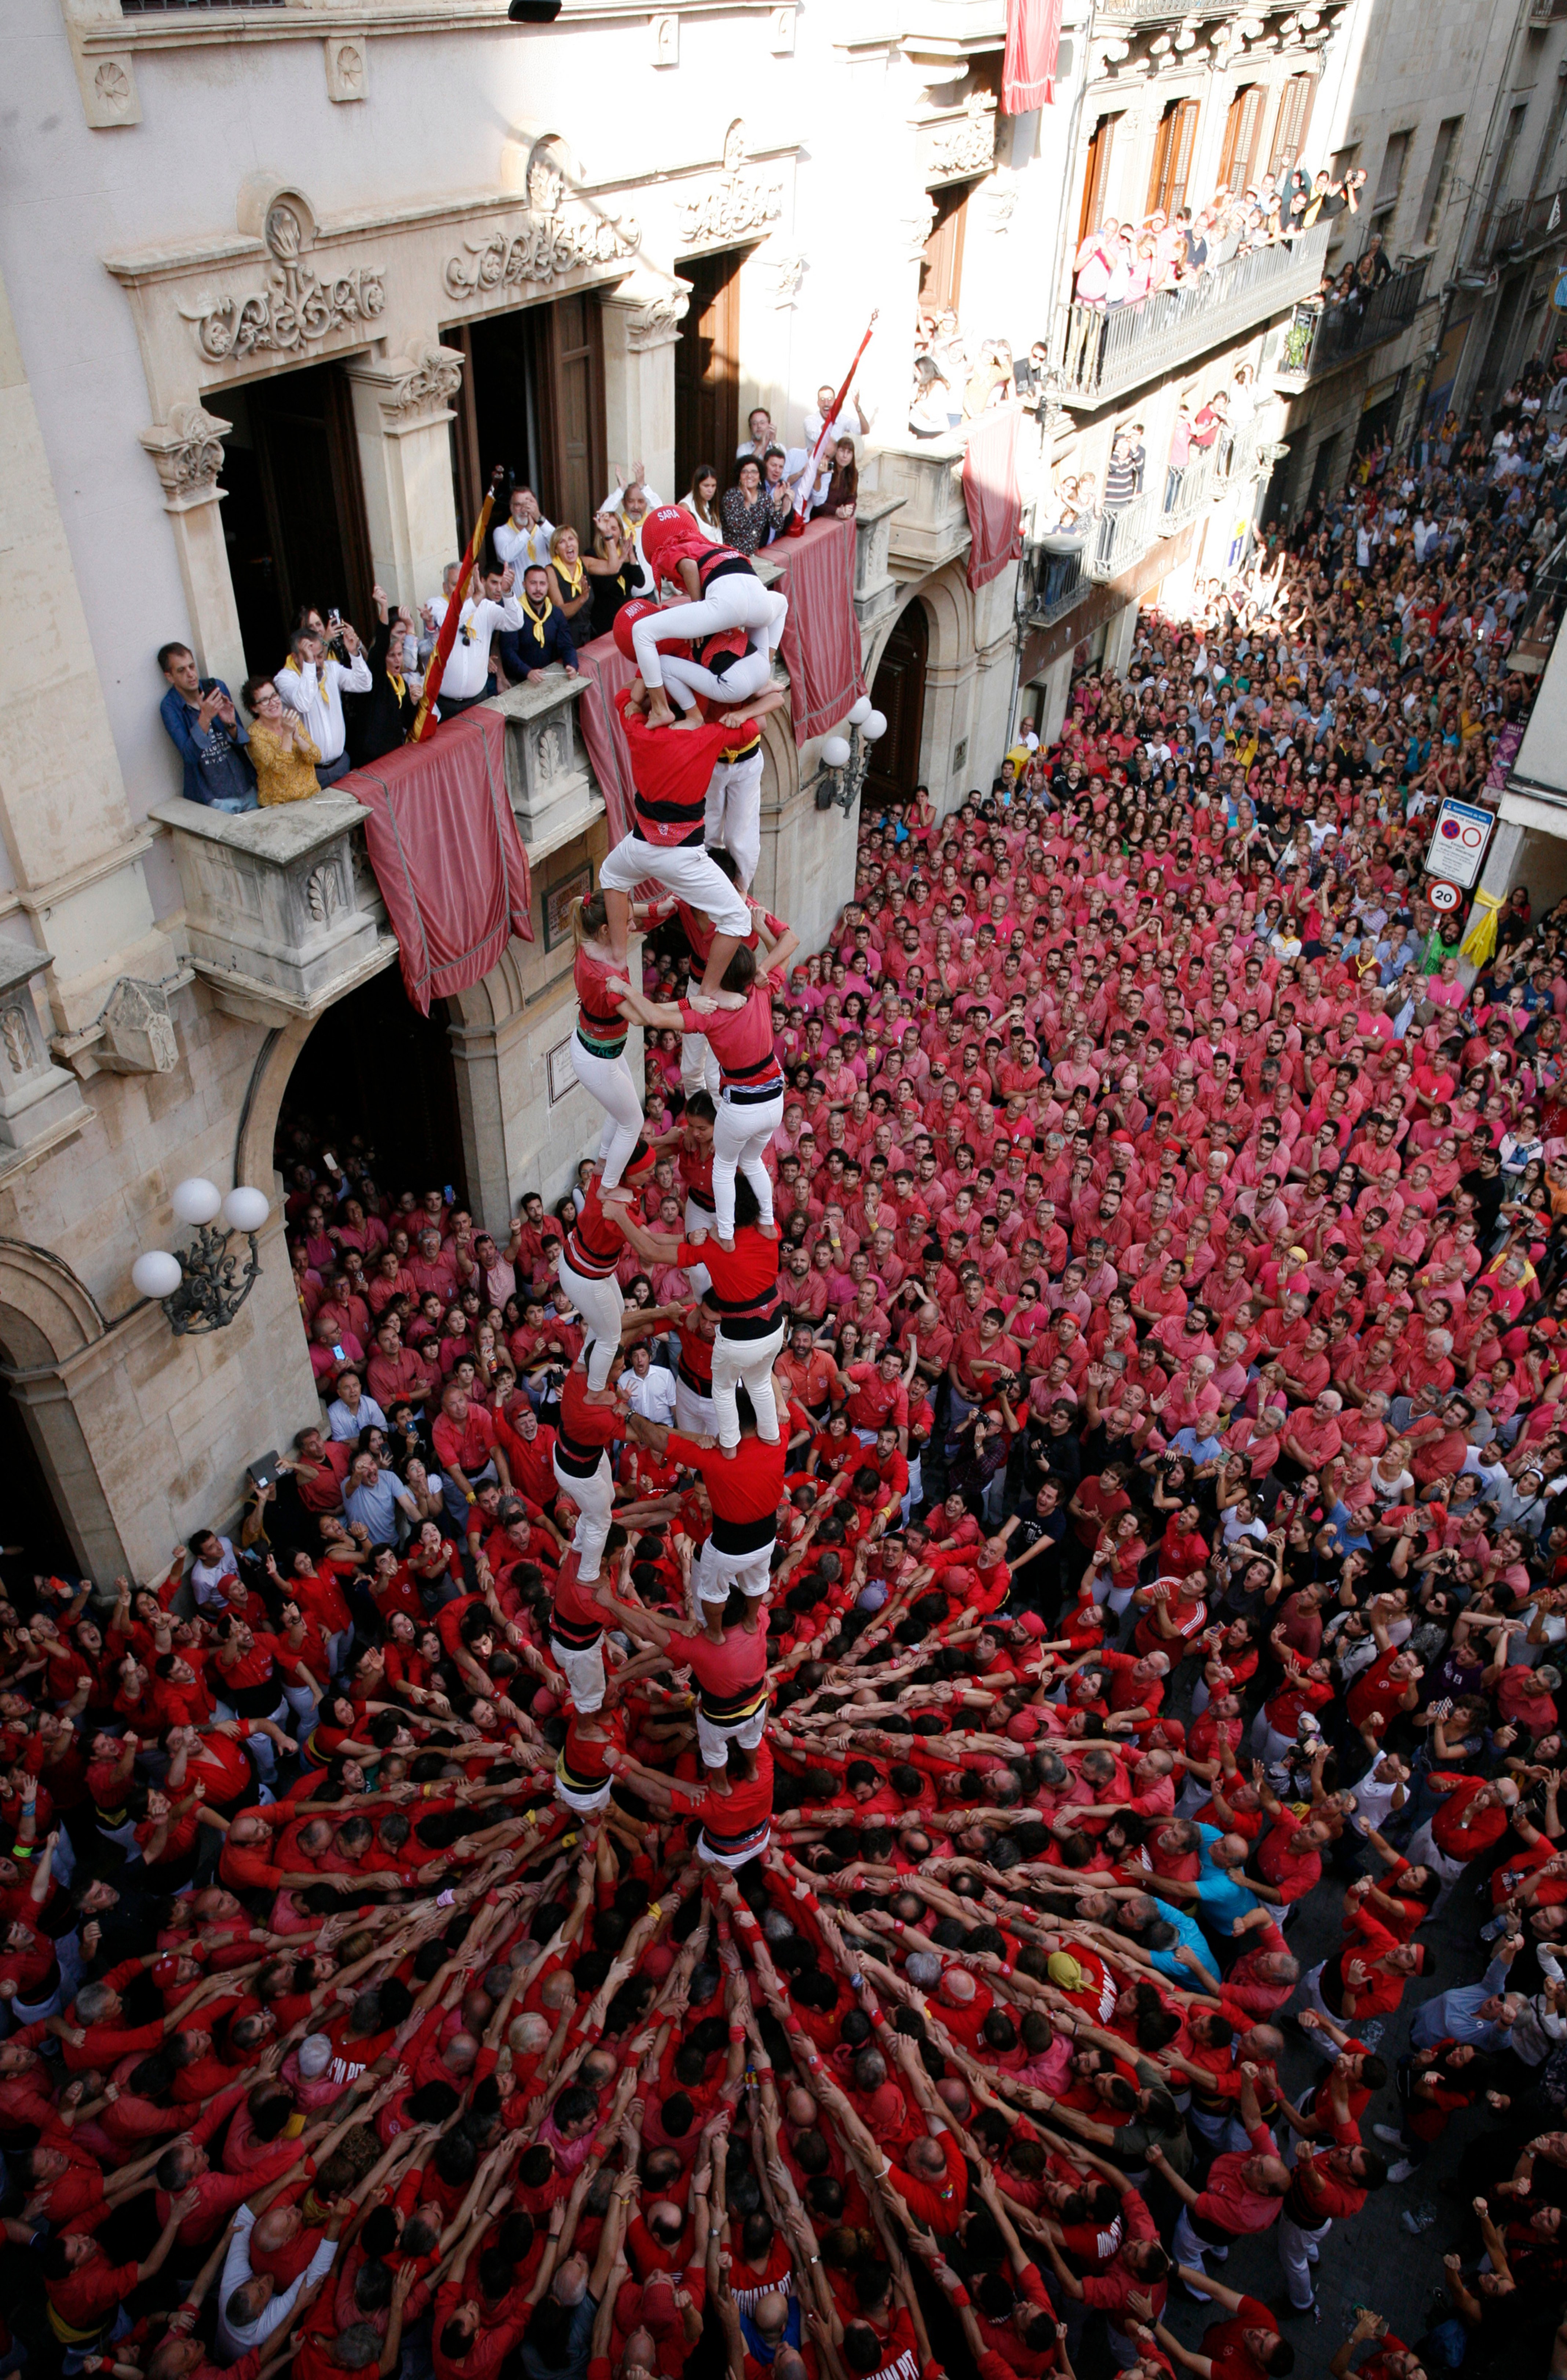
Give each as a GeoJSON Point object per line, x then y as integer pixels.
{"type": "Point", "coordinates": [187, 451]}
{"type": "Point", "coordinates": [64, 1457]}
{"type": "Point", "coordinates": [641, 324]}
{"type": "Point", "coordinates": [75, 853]}
{"type": "Point", "coordinates": [401, 410]}
{"type": "Point", "coordinates": [1119, 641]}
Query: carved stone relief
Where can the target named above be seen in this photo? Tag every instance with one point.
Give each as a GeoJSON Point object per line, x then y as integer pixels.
{"type": "Point", "coordinates": [431, 381]}
{"type": "Point", "coordinates": [298, 307]}
{"type": "Point", "coordinates": [187, 451]}
{"type": "Point", "coordinates": [347, 67]}
{"type": "Point", "coordinates": [733, 207]}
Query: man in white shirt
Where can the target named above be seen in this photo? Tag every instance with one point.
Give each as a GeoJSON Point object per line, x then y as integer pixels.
{"type": "Point", "coordinates": [525, 538]}
{"type": "Point", "coordinates": [850, 423]}
{"type": "Point", "coordinates": [652, 1387]}
{"type": "Point", "coordinates": [311, 683]}
{"type": "Point", "coordinates": [251, 2308]}
{"type": "Point", "coordinates": [467, 678]}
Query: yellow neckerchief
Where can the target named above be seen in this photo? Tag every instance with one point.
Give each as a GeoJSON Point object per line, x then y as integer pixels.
{"type": "Point", "coordinates": [396, 682]}
{"type": "Point", "coordinates": [538, 618]}
{"type": "Point", "coordinates": [573, 586]}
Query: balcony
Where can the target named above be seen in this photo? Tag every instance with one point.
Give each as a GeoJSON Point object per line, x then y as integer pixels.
{"type": "Point", "coordinates": [1518, 230]}
{"type": "Point", "coordinates": [282, 911]}
{"type": "Point", "coordinates": [1153, 12]}
{"type": "Point", "coordinates": [1545, 12]}
{"type": "Point", "coordinates": [1319, 337]}
{"type": "Point", "coordinates": [1101, 356]}
{"type": "Point", "coordinates": [1063, 568]}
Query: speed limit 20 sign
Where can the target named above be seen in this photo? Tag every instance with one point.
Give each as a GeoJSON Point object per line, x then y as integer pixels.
{"type": "Point", "coordinates": [1443, 896]}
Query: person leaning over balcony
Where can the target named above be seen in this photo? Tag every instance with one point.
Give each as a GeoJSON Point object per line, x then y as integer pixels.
{"type": "Point", "coordinates": [311, 682]}
{"type": "Point", "coordinates": [1374, 267]}
{"type": "Point", "coordinates": [198, 715]}
{"type": "Point", "coordinates": [467, 678]}
{"type": "Point", "coordinates": [928, 402]}
{"type": "Point", "coordinates": [281, 749]}
{"type": "Point", "coordinates": [1121, 478]}
{"type": "Point", "coordinates": [544, 635]}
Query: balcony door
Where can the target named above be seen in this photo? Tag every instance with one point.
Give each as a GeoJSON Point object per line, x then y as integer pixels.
{"type": "Point", "coordinates": [294, 518]}
{"type": "Point", "coordinates": [707, 367]}
{"type": "Point", "coordinates": [1174, 143]}
{"type": "Point", "coordinates": [940, 271]}
{"type": "Point", "coordinates": [1095, 175]}
{"type": "Point", "coordinates": [1243, 126]}
{"type": "Point", "coordinates": [532, 397]}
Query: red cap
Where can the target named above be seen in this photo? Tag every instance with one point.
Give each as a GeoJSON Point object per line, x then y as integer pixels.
{"type": "Point", "coordinates": [625, 619]}
{"type": "Point", "coordinates": [165, 1972]}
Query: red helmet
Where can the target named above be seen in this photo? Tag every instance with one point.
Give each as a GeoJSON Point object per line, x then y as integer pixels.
{"type": "Point", "coordinates": [625, 619]}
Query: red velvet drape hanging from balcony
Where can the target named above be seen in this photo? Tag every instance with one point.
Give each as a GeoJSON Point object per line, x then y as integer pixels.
{"type": "Point", "coordinates": [1033, 37]}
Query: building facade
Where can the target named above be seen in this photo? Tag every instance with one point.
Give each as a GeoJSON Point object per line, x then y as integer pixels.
{"type": "Point", "coordinates": [281, 284]}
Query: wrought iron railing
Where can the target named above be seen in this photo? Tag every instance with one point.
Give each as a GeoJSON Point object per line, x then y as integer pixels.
{"type": "Point", "coordinates": [1323, 334]}
{"type": "Point", "coordinates": [1101, 354]}
{"type": "Point", "coordinates": [1517, 229]}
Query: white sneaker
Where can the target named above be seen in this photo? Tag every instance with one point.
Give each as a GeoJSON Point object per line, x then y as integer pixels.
{"type": "Point", "coordinates": [1401, 2171]}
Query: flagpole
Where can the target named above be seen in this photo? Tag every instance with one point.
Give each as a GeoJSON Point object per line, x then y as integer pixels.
{"type": "Point", "coordinates": [447, 636]}
{"type": "Point", "coordinates": [807, 478]}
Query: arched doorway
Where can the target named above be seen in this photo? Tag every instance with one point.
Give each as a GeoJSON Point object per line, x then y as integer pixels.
{"type": "Point", "coordinates": [36, 1537]}
{"type": "Point", "coordinates": [376, 1081]}
{"type": "Point", "coordinates": [898, 691]}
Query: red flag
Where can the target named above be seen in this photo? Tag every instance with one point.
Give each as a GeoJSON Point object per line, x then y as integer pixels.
{"type": "Point", "coordinates": [807, 478]}
{"type": "Point", "coordinates": [435, 668]}
{"type": "Point", "coordinates": [1033, 37]}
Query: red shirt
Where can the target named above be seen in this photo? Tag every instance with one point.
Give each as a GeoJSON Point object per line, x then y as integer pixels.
{"type": "Point", "coordinates": [745, 1490]}
{"type": "Point", "coordinates": [1224, 2342]}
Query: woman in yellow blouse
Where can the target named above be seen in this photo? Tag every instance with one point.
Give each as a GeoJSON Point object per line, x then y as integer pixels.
{"type": "Point", "coordinates": [285, 756]}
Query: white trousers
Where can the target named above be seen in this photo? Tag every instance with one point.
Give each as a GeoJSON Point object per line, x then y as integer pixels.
{"type": "Point", "coordinates": [584, 1673]}
{"type": "Point", "coordinates": [737, 600]}
{"type": "Point", "coordinates": [602, 1306]}
{"type": "Point", "coordinates": [587, 1805]}
{"type": "Point", "coordinates": [694, 1415]}
{"type": "Point", "coordinates": [734, 811]}
{"type": "Point", "coordinates": [1297, 2254]}
{"type": "Point", "coordinates": [699, 1067]}
{"type": "Point", "coordinates": [747, 1362]}
{"type": "Point", "coordinates": [740, 1136]}
{"type": "Point", "coordinates": [594, 1500]}
{"type": "Point", "coordinates": [714, 1742]}
{"type": "Point", "coordinates": [748, 673]}
{"type": "Point", "coordinates": [716, 1573]}
{"type": "Point", "coordinates": [609, 1081]}
{"type": "Point", "coordinates": [696, 1219]}
{"type": "Point", "coordinates": [682, 868]}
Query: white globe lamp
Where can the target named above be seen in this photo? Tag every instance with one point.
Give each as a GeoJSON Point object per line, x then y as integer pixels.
{"type": "Point", "coordinates": [875, 727]}
{"type": "Point", "coordinates": [835, 752]}
{"type": "Point", "coordinates": [197, 1200]}
{"type": "Point", "coordinates": [156, 1274]}
{"type": "Point", "coordinates": [860, 712]}
{"type": "Point", "coordinates": [245, 1209]}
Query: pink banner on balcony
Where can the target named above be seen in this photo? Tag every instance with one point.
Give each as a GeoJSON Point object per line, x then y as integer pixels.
{"type": "Point", "coordinates": [606, 670]}
{"type": "Point", "coordinates": [821, 647]}
{"type": "Point", "coordinates": [1033, 37]}
{"type": "Point", "coordinates": [990, 495]}
{"type": "Point", "coordinates": [444, 843]}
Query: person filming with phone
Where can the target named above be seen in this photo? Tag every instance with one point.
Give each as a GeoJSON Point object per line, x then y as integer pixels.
{"type": "Point", "coordinates": [207, 732]}
{"type": "Point", "coordinates": [313, 681]}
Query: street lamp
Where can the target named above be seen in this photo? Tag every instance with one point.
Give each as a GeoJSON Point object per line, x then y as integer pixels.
{"type": "Point", "coordinates": [845, 761]}
{"type": "Point", "coordinates": [203, 1287]}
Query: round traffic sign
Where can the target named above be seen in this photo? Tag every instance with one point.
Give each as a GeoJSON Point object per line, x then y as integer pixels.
{"type": "Point", "coordinates": [1443, 896]}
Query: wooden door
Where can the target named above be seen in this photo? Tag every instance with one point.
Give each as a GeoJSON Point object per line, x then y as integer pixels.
{"type": "Point", "coordinates": [941, 274]}
{"type": "Point", "coordinates": [1243, 123]}
{"type": "Point", "coordinates": [571, 412]}
{"type": "Point", "coordinates": [308, 459]}
{"type": "Point", "coordinates": [898, 691]}
{"type": "Point", "coordinates": [1172, 148]}
{"type": "Point", "coordinates": [706, 368]}
{"type": "Point", "coordinates": [496, 411]}
{"type": "Point", "coordinates": [1096, 177]}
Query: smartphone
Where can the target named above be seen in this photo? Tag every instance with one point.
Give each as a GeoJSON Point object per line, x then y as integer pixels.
{"type": "Point", "coordinates": [265, 1473]}
{"type": "Point", "coordinates": [328, 1159]}
{"type": "Point", "coordinates": [447, 1193]}
{"type": "Point", "coordinates": [337, 1352]}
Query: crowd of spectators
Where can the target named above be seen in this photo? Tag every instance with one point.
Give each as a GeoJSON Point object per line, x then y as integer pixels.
{"type": "Point", "coordinates": [1171, 1573]}
{"type": "Point", "coordinates": [1123, 263]}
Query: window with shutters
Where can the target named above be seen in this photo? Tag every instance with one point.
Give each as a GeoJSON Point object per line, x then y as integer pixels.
{"type": "Point", "coordinates": [1238, 161]}
{"type": "Point", "coordinates": [1390, 182]}
{"type": "Point", "coordinates": [1545, 157]}
{"type": "Point", "coordinates": [1289, 129]}
{"type": "Point", "coordinates": [1172, 148]}
{"type": "Point", "coordinates": [1439, 180]}
{"type": "Point", "coordinates": [1095, 174]}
